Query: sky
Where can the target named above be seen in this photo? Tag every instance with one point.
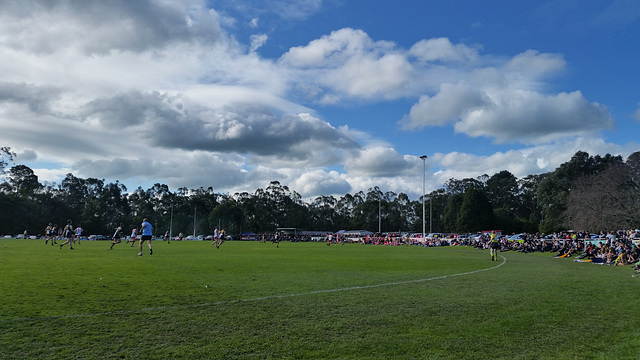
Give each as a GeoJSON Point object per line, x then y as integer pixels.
{"type": "Point", "coordinates": [328, 97]}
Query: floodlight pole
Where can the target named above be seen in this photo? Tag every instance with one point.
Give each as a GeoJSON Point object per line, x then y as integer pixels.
{"type": "Point", "coordinates": [379, 217]}
{"type": "Point", "coordinates": [424, 177]}
{"type": "Point", "coordinates": [171, 224]}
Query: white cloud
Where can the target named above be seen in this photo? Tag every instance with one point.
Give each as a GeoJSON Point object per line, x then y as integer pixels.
{"type": "Point", "coordinates": [521, 162]}
{"type": "Point", "coordinates": [349, 62]}
{"type": "Point", "coordinates": [101, 28]}
{"type": "Point", "coordinates": [448, 105]}
{"type": "Point", "coordinates": [26, 155]}
{"type": "Point", "coordinates": [257, 41]}
{"type": "Point", "coordinates": [506, 104]}
{"type": "Point", "coordinates": [51, 175]}
{"type": "Point", "coordinates": [441, 49]}
{"type": "Point", "coordinates": [378, 162]}
{"type": "Point", "coordinates": [530, 117]}
{"type": "Point", "coordinates": [315, 182]}
{"type": "Point", "coordinates": [334, 49]}
{"type": "Point", "coordinates": [157, 91]}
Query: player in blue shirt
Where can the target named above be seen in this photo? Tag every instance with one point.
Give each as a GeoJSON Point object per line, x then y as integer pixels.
{"type": "Point", "coordinates": [147, 232]}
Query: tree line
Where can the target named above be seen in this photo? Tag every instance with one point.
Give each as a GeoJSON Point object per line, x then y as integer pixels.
{"type": "Point", "coordinates": [590, 193]}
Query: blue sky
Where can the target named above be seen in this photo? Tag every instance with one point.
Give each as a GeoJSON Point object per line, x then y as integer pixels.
{"type": "Point", "coordinates": [326, 96]}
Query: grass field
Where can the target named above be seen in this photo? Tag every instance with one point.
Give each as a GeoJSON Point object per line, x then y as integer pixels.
{"type": "Point", "coordinates": [306, 300]}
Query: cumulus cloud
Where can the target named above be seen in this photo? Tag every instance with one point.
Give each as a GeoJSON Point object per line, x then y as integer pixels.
{"type": "Point", "coordinates": [531, 117]}
{"type": "Point", "coordinates": [164, 95]}
{"type": "Point", "coordinates": [37, 98]}
{"type": "Point", "coordinates": [318, 181]}
{"type": "Point", "coordinates": [152, 91]}
{"type": "Point", "coordinates": [350, 63]}
{"type": "Point", "coordinates": [535, 159]}
{"type": "Point", "coordinates": [257, 41]}
{"type": "Point", "coordinates": [103, 27]}
{"type": "Point", "coordinates": [335, 49]}
{"type": "Point", "coordinates": [378, 162]}
{"type": "Point", "coordinates": [176, 168]}
{"type": "Point", "coordinates": [505, 104]}
{"type": "Point", "coordinates": [26, 155]}
{"type": "Point", "coordinates": [442, 50]}
{"type": "Point", "coordinates": [245, 129]}
{"type": "Point", "coordinates": [531, 64]}
{"type": "Point", "coordinates": [132, 108]}
{"type": "Point", "coordinates": [451, 103]}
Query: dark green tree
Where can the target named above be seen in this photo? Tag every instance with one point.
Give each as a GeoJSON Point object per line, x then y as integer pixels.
{"type": "Point", "coordinates": [555, 188]}
{"type": "Point", "coordinates": [23, 181]}
{"type": "Point", "coordinates": [475, 213]}
{"type": "Point", "coordinates": [452, 212]}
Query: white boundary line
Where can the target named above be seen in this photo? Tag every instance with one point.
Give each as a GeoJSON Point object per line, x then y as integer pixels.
{"type": "Point", "coordinates": [221, 302]}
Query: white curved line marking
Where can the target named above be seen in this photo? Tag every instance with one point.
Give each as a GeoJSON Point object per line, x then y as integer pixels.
{"type": "Point", "coordinates": [221, 302]}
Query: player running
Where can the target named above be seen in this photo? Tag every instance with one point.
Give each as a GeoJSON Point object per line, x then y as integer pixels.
{"type": "Point", "coordinates": [221, 236]}
{"type": "Point", "coordinates": [147, 233]}
{"type": "Point", "coordinates": [47, 234]}
{"type": "Point", "coordinates": [116, 237]}
{"type": "Point", "coordinates": [134, 234]}
{"type": "Point", "coordinates": [215, 237]}
{"type": "Point", "coordinates": [67, 233]}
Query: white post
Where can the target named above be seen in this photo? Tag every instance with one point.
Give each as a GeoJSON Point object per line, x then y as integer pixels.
{"type": "Point", "coordinates": [379, 218]}
{"type": "Point", "coordinates": [424, 177]}
{"type": "Point", "coordinates": [171, 224]}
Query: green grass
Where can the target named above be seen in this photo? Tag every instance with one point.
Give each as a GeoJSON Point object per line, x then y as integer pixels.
{"type": "Point", "coordinates": [307, 300]}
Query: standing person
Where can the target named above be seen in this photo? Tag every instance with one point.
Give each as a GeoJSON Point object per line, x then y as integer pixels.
{"type": "Point", "coordinates": [67, 233]}
{"type": "Point", "coordinates": [495, 246]}
{"type": "Point", "coordinates": [167, 237]}
{"type": "Point", "coordinates": [116, 237]}
{"type": "Point", "coordinates": [147, 233]}
{"type": "Point", "coordinates": [276, 239]}
{"type": "Point", "coordinates": [78, 232]}
{"type": "Point", "coordinates": [134, 233]}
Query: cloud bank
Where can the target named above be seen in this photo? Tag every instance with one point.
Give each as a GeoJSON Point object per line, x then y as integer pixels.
{"type": "Point", "coordinates": [161, 91]}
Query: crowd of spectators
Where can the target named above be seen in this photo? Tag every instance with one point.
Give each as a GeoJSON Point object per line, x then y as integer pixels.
{"type": "Point", "coordinates": [614, 248]}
